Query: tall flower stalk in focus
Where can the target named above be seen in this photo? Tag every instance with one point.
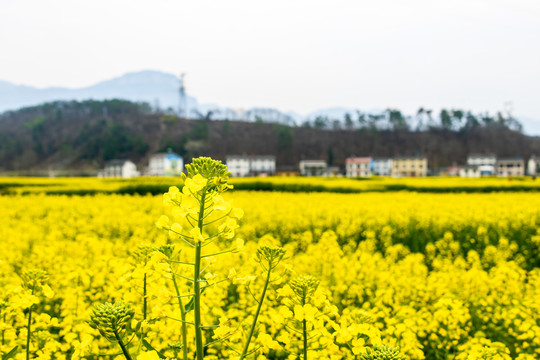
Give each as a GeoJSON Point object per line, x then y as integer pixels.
{"type": "Point", "coordinates": [198, 216]}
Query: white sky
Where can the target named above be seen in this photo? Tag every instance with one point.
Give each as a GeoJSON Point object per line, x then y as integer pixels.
{"type": "Point", "coordinates": [297, 55]}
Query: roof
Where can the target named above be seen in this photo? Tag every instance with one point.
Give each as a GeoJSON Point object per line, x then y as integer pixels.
{"type": "Point", "coordinates": [517, 158]}
{"type": "Point", "coordinates": [263, 157]}
{"type": "Point", "coordinates": [164, 155]}
{"type": "Point", "coordinates": [117, 162]}
{"type": "Point", "coordinates": [313, 161]}
{"type": "Point", "coordinates": [252, 157]}
{"type": "Point", "coordinates": [358, 159]}
{"type": "Point", "coordinates": [482, 155]}
{"type": "Point", "coordinates": [409, 157]}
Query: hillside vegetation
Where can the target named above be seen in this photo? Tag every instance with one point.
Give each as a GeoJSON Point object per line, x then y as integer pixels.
{"type": "Point", "coordinates": [81, 136]}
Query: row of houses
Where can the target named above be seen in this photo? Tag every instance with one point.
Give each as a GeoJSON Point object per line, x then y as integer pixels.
{"type": "Point", "coordinates": [400, 166]}
{"type": "Point", "coordinates": [171, 164]}
{"type": "Point", "coordinates": [479, 165]}
{"type": "Point", "coordinates": [160, 164]}
{"type": "Point", "coordinates": [251, 165]}
{"type": "Point", "coordinates": [417, 166]}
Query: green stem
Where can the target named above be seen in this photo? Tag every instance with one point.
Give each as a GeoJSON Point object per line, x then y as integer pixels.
{"type": "Point", "coordinates": [197, 285]}
{"type": "Point", "coordinates": [254, 324]}
{"type": "Point", "coordinates": [28, 328]}
{"type": "Point", "coordinates": [183, 314]}
{"type": "Point", "coordinates": [28, 333]}
{"type": "Point", "coordinates": [145, 304]}
{"type": "Point", "coordinates": [122, 346]}
{"type": "Point", "coordinates": [304, 329]}
{"type": "Point", "coordinates": [305, 338]}
{"type": "Point", "coordinates": [3, 331]}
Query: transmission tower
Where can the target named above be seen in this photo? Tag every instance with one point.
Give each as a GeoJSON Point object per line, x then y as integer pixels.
{"type": "Point", "coordinates": [182, 108]}
{"type": "Point", "coordinates": [508, 108]}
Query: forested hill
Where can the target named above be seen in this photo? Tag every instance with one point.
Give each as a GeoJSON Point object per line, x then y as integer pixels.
{"type": "Point", "coordinates": [81, 136]}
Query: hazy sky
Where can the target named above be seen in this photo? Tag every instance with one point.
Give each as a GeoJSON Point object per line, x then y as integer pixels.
{"type": "Point", "coordinates": [293, 55]}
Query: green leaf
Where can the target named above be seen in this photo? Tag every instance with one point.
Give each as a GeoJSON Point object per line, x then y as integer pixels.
{"type": "Point", "coordinates": [10, 354]}
{"type": "Point", "coordinates": [191, 303]}
{"type": "Point", "coordinates": [151, 348]}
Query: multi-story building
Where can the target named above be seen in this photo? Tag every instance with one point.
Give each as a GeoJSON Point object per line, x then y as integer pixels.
{"type": "Point", "coordinates": [485, 162]}
{"type": "Point", "coordinates": [358, 166]}
{"type": "Point", "coordinates": [238, 165]}
{"type": "Point", "coordinates": [251, 165]}
{"type": "Point", "coordinates": [382, 167]}
{"type": "Point", "coordinates": [165, 164]}
{"type": "Point", "coordinates": [119, 168]}
{"type": "Point", "coordinates": [415, 166]}
{"type": "Point", "coordinates": [510, 167]}
{"type": "Point", "coordinates": [312, 167]}
{"type": "Point", "coordinates": [262, 165]}
{"type": "Point", "coordinates": [533, 166]}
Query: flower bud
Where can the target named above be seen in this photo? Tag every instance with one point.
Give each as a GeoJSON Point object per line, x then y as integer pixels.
{"type": "Point", "coordinates": [304, 287]}
{"type": "Point", "coordinates": [269, 256]}
{"type": "Point", "coordinates": [382, 352]}
{"type": "Point", "coordinates": [111, 319]}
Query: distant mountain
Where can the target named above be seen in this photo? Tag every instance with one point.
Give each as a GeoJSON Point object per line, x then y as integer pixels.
{"type": "Point", "coordinates": [161, 90]}
{"type": "Point", "coordinates": [154, 87]}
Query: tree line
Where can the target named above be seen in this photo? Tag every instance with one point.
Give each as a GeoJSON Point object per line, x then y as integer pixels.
{"type": "Point", "coordinates": [423, 120]}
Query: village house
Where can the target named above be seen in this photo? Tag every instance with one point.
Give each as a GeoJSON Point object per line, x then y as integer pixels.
{"type": "Point", "coordinates": [119, 169]}
{"type": "Point", "coordinates": [312, 167]}
{"type": "Point", "coordinates": [485, 162]}
{"type": "Point", "coordinates": [510, 167]}
{"type": "Point", "coordinates": [382, 166]}
{"type": "Point", "coordinates": [533, 166]}
{"type": "Point", "coordinates": [166, 164]}
{"type": "Point", "coordinates": [415, 166]}
{"type": "Point", "coordinates": [251, 165]}
{"type": "Point", "coordinates": [238, 165]}
{"type": "Point", "coordinates": [262, 165]}
{"type": "Point", "coordinates": [358, 166]}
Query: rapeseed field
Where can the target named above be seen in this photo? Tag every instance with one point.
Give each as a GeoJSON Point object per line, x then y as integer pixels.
{"type": "Point", "coordinates": [202, 272]}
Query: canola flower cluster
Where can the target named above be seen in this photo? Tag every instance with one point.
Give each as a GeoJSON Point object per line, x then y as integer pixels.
{"type": "Point", "coordinates": [298, 276]}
